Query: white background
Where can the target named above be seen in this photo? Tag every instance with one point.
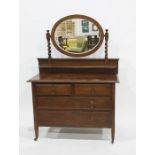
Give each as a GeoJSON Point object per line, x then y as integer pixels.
{"type": "Point", "coordinates": [10, 81]}
{"type": "Point", "coordinates": [119, 17]}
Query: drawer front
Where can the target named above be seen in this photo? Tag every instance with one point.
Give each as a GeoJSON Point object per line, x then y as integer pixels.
{"type": "Point", "coordinates": [85, 103]}
{"type": "Point", "coordinates": [93, 89]}
{"type": "Point", "coordinates": [74, 118]}
{"type": "Point", "coordinates": [53, 89]}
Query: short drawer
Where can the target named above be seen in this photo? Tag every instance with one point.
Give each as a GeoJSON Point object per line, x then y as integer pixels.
{"type": "Point", "coordinates": [53, 89]}
{"type": "Point", "coordinates": [93, 89]}
{"type": "Point", "coordinates": [85, 103]}
{"type": "Point", "coordinates": [74, 118]}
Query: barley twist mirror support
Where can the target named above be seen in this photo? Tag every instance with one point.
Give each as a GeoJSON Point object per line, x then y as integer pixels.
{"type": "Point", "coordinates": [48, 43]}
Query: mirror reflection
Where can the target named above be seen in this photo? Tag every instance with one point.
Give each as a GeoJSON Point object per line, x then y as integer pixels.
{"type": "Point", "coordinates": [77, 35]}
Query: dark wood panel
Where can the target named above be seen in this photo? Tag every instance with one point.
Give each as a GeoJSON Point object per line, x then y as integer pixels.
{"type": "Point", "coordinates": [108, 70]}
{"type": "Point", "coordinates": [74, 118]}
{"type": "Point", "coordinates": [93, 89]}
{"type": "Point", "coordinates": [75, 103]}
{"type": "Point", "coordinates": [49, 66]}
{"type": "Point", "coordinates": [53, 89]}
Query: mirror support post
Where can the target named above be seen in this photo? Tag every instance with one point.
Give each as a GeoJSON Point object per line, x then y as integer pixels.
{"type": "Point", "coordinates": [48, 36]}
{"type": "Point", "coordinates": [106, 44]}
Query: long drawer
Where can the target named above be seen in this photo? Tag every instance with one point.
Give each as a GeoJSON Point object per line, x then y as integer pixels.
{"type": "Point", "coordinates": [85, 103]}
{"type": "Point", "coordinates": [74, 118]}
{"type": "Point", "coordinates": [93, 89]}
{"type": "Point", "coordinates": [53, 89]}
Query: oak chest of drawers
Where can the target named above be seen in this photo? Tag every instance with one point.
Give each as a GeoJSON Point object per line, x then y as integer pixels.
{"type": "Point", "coordinates": [69, 93]}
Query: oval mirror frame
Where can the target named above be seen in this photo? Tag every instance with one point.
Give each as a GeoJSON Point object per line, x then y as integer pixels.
{"type": "Point", "coordinates": [77, 16]}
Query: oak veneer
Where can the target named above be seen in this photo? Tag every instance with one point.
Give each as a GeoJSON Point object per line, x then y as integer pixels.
{"type": "Point", "coordinates": [75, 93]}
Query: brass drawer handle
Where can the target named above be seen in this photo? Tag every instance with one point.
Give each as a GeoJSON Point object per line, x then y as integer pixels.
{"type": "Point", "coordinates": [53, 91]}
{"type": "Point", "coordinates": [92, 104]}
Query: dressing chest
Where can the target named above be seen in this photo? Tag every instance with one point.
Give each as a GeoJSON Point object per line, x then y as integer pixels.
{"type": "Point", "coordinates": [75, 92]}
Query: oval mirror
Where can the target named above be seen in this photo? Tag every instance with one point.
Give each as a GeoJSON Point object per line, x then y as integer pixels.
{"type": "Point", "coordinates": [77, 35]}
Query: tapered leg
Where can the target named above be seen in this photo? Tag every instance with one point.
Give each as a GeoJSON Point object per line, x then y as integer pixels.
{"type": "Point", "coordinates": [36, 129]}
{"type": "Point", "coordinates": [113, 115]}
{"type": "Point", "coordinates": [112, 134]}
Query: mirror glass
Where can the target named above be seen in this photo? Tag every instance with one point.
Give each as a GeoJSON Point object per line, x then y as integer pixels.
{"type": "Point", "coordinates": [77, 36]}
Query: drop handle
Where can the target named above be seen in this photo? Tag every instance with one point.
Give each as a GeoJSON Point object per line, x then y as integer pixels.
{"type": "Point", "coordinates": [92, 104]}
{"type": "Point", "coordinates": [53, 91]}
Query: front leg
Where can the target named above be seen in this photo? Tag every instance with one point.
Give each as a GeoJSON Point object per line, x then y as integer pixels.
{"type": "Point", "coordinates": [36, 129]}
{"type": "Point", "coordinates": [112, 134]}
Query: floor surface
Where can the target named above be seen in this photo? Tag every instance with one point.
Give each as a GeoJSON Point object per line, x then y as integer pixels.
{"type": "Point", "coordinates": [76, 141]}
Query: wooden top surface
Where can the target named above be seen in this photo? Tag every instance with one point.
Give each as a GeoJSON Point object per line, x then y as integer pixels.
{"type": "Point", "coordinates": [74, 78]}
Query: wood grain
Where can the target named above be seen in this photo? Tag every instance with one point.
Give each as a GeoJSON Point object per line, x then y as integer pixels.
{"type": "Point", "coordinates": [75, 93]}
{"type": "Point", "coordinates": [74, 103]}
{"type": "Point", "coordinates": [74, 118]}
